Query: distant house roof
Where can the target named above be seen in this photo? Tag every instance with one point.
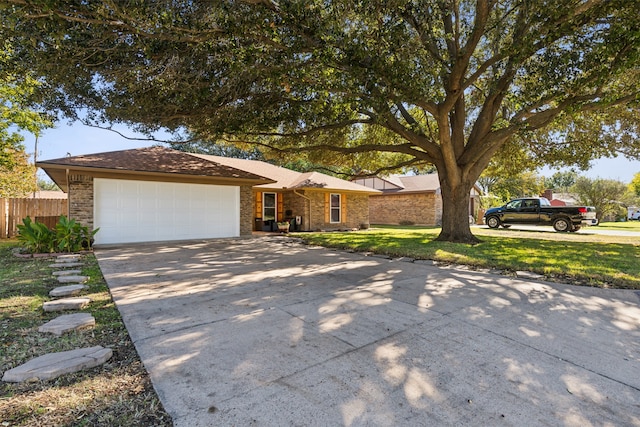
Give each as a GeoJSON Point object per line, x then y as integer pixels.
{"type": "Point", "coordinates": [149, 163]}
{"type": "Point", "coordinates": [419, 183]}
{"type": "Point", "coordinates": [48, 194]}
{"type": "Point", "coordinates": [287, 179]}
{"type": "Point", "coordinates": [401, 184]}
{"type": "Point", "coordinates": [405, 184]}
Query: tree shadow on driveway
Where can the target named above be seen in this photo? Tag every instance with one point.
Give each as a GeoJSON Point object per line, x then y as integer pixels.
{"type": "Point", "coordinates": [272, 332]}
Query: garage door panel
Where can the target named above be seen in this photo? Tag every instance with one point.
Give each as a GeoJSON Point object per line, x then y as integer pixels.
{"type": "Point", "coordinates": [141, 211]}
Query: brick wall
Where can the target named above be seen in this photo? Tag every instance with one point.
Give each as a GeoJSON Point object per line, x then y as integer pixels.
{"type": "Point", "coordinates": [299, 206]}
{"type": "Point", "coordinates": [246, 210]}
{"type": "Point", "coordinates": [421, 208]}
{"type": "Point", "coordinates": [357, 212]}
{"type": "Point", "coordinates": [310, 205]}
{"type": "Point", "coordinates": [81, 199]}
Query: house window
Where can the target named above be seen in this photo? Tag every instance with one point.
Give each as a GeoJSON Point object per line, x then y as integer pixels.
{"type": "Point", "coordinates": [268, 206]}
{"type": "Point", "coordinates": [336, 208]}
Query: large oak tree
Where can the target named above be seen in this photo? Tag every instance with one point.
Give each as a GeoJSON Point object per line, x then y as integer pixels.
{"type": "Point", "coordinates": [447, 82]}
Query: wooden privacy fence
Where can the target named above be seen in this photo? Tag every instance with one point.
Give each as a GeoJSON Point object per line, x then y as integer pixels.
{"type": "Point", "coordinates": [12, 211]}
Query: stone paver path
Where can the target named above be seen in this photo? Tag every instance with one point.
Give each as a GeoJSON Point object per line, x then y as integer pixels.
{"type": "Point", "coordinates": [68, 323]}
{"type": "Point", "coordinates": [67, 291]}
{"type": "Point", "coordinates": [67, 272]}
{"type": "Point", "coordinates": [66, 304]}
{"type": "Point", "coordinates": [73, 279]}
{"type": "Point", "coordinates": [53, 365]}
{"type": "Point", "coordinates": [66, 265]}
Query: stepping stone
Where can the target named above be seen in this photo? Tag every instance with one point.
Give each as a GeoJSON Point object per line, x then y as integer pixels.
{"type": "Point", "coordinates": [67, 291]}
{"type": "Point", "coordinates": [72, 279]}
{"type": "Point", "coordinates": [66, 304]}
{"type": "Point", "coordinates": [66, 265]}
{"type": "Point", "coordinates": [53, 365]}
{"type": "Point", "coordinates": [68, 258]}
{"type": "Point", "coordinates": [66, 272]}
{"type": "Point", "coordinates": [68, 323]}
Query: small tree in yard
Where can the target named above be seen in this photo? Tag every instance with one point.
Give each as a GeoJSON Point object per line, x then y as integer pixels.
{"type": "Point", "coordinates": [605, 194]}
{"type": "Point", "coordinates": [446, 83]}
{"type": "Point", "coordinates": [634, 185]}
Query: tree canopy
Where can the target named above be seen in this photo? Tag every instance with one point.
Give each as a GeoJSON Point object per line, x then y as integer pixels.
{"type": "Point", "coordinates": [17, 176]}
{"type": "Point", "coordinates": [446, 83]}
{"type": "Point", "coordinates": [15, 114]}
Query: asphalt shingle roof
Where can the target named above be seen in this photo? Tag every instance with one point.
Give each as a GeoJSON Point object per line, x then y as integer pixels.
{"type": "Point", "coordinates": [289, 179]}
{"type": "Point", "coordinates": [161, 160]}
{"type": "Point", "coordinates": [153, 159]}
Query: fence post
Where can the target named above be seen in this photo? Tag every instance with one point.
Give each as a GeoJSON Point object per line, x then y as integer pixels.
{"type": "Point", "coordinates": [3, 218]}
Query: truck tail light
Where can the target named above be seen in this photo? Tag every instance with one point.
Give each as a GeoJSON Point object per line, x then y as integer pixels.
{"type": "Point", "coordinates": [582, 210]}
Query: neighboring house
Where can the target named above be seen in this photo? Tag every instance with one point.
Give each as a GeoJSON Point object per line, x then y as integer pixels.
{"type": "Point", "coordinates": [560, 199]}
{"type": "Point", "coordinates": [409, 199]}
{"type": "Point", "coordinates": [160, 194]}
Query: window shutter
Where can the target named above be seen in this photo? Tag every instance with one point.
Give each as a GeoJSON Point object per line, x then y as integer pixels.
{"type": "Point", "coordinates": [343, 207]}
{"type": "Point", "coordinates": [280, 207]}
{"type": "Point", "coordinates": [259, 205]}
{"type": "Point", "coordinates": [327, 208]}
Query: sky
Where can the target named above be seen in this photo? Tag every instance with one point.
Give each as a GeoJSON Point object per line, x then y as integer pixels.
{"type": "Point", "coordinates": [76, 139]}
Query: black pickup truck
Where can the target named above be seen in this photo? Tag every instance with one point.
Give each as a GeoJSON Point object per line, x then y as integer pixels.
{"type": "Point", "coordinates": [538, 211]}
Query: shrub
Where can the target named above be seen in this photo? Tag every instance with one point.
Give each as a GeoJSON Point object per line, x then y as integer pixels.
{"type": "Point", "coordinates": [35, 237]}
{"type": "Point", "coordinates": [72, 236]}
{"type": "Point", "coordinates": [406, 222]}
{"type": "Point", "coordinates": [68, 236]}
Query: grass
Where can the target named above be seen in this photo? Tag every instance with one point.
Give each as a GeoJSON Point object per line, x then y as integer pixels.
{"type": "Point", "coordinates": [627, 225]}
{"type": "Point", "coordinates": [117, 393]}
{"type": "Point", "coordinates": [583, 259]}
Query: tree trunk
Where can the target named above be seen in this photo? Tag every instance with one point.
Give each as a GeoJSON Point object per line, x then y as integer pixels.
{"type": "Point", "coordinates": [455, 213]}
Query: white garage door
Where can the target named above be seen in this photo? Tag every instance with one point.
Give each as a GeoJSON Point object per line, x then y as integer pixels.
{"type": "Point", "coordinates": [145, 211]}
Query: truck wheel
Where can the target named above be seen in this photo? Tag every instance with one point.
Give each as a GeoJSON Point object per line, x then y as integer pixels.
{"type": "Point", "coordinates": [493, 222]}
{"type": "Point", "coordinates": [562, 225]}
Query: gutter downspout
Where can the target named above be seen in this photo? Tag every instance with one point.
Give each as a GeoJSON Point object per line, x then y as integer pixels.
{"type": "Point", "coordinates": [309, 200]}
{"type": "Point", "coordinates": [66, 172]}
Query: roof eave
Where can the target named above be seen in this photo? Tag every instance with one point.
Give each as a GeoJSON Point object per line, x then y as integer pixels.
{"type": "Point", "coordinates": [117, 173]}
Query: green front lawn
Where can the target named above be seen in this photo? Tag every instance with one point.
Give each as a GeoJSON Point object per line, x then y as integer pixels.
{"type": "Point", "coordinates": [627, 225]}
{"type": "Point", "coordinates": [592, 260]}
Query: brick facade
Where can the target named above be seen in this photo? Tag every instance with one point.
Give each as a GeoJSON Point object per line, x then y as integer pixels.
{"type": "Point", "coordinates": [297, 205]}
{"type": "Point", "coordinates": [81, 199]}
{"type": "Point", "coordinates": [246, 210]}
{"type": "Point", "coordinates": [418, 208]}
{"type": "Point", "coordinates": [311, 206]}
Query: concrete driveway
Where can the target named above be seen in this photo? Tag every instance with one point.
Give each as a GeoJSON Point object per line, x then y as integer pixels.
{"type": "Point", "coordinates": [269, 332]}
